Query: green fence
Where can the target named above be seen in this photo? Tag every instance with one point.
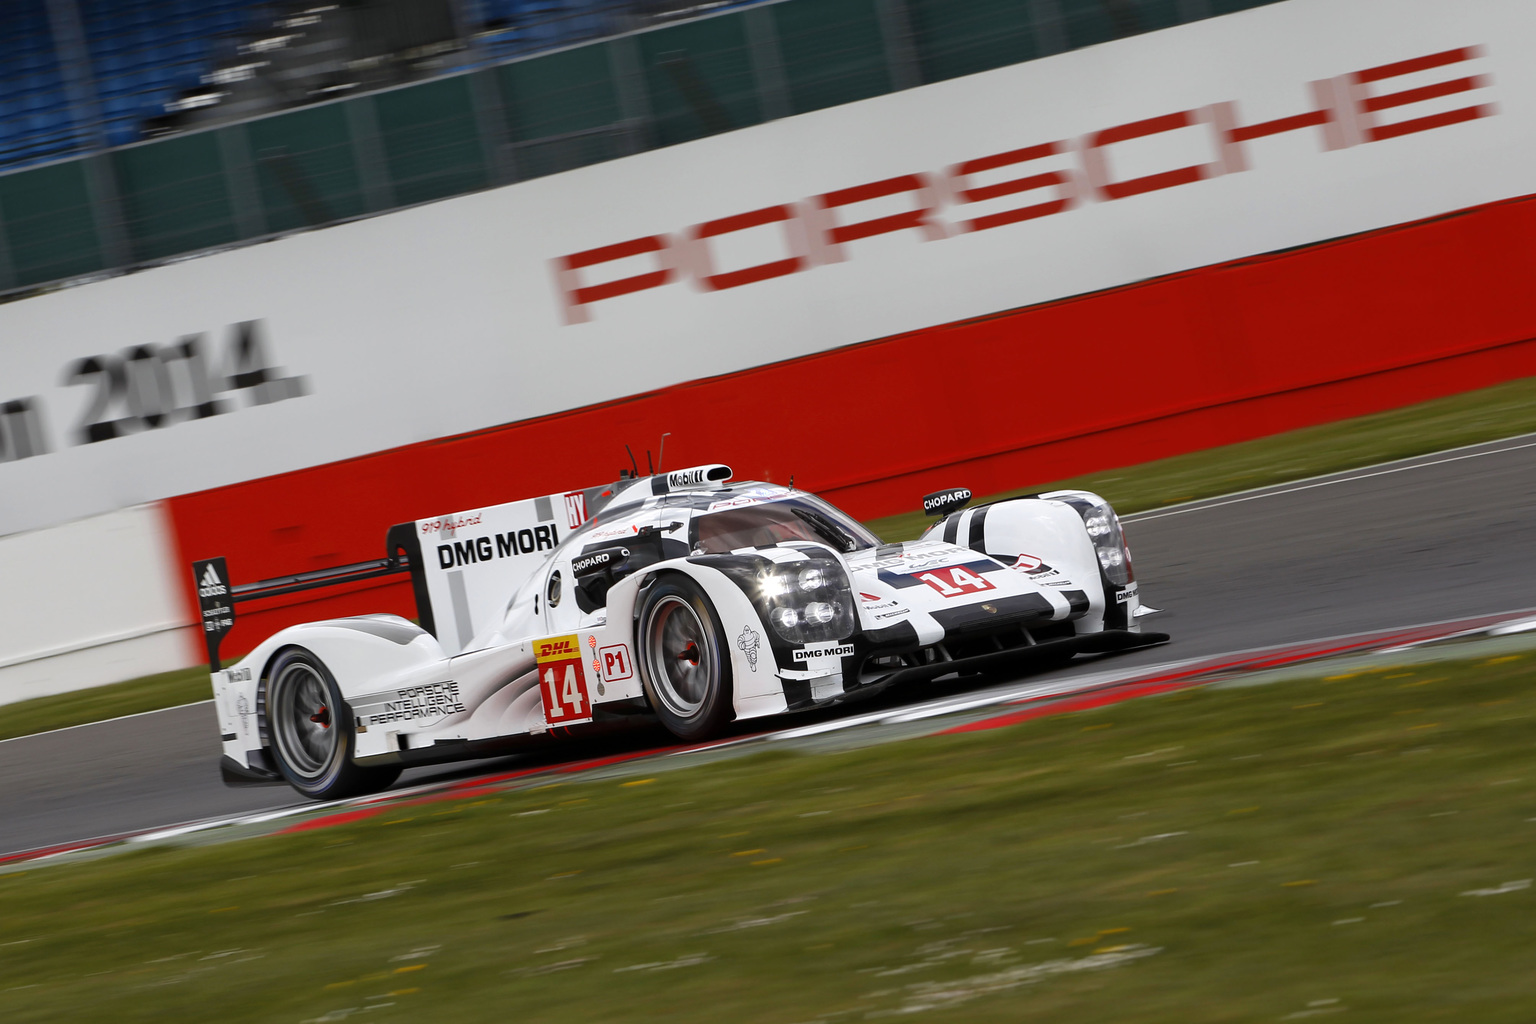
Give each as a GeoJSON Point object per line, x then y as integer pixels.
{"type": "Point", "coordinates": [531, 117]}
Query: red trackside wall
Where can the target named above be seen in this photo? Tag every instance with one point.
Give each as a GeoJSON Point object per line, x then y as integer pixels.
{"type": "Point", "coordinates": [1175, 364]}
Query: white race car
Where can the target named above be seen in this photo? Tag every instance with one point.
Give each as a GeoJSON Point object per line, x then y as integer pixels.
{"type": "Point", "coordinates": [677, 595]}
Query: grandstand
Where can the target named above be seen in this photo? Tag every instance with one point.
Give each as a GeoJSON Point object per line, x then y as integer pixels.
{"type": "Point", "coordinates": [79, 75]}
{"type": "Point", "coordinates": [132, 131]}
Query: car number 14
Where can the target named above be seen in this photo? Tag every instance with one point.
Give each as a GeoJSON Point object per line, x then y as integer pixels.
{"type": "Point", "coordinates": [954, 581]}
{"type": "Point", "coordinates": [563, 682]}
{"type": "Point", "coordinates": [565, 694]}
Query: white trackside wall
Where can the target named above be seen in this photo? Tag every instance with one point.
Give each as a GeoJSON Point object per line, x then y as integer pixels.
{"type": "Point", "coordinates": [89, 603]}
{"type": "Point", "coordinates": [747, 248]}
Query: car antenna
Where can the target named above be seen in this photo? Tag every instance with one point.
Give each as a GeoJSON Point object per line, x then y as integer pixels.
{"type": "Point", "coordinates": [791, 481]}
{"type": "Point", "coordinates": [648, 467]}
{"type": "Point", "coordinates": [634, 466]}
{"type": "Point", "coordinates": [661, 454]}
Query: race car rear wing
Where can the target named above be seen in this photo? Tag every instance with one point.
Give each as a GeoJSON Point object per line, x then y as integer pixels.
{"type": "Point", "coordinates": [217, 597]}
{"type": "Point", "coordinates": [463, 566]}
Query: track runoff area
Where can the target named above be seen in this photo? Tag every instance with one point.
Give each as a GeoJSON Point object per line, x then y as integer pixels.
{"type": "Point", "coordinates": [1251, 582]}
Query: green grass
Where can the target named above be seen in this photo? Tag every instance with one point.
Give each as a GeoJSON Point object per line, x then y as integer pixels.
{"type": "Point", "coordinates": [1486, 415]}
{"type": "Point", "coordinates": [99, 703]}
{"type": "Point", "coordinates": [1218, 855]}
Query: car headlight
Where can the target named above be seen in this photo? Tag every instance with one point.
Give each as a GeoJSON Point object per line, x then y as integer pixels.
{"type": "Point", "coordinates": [809, 601]}
{"type": "Point", "coordinates": [1103, 528]}
{"type": "Point", "coordinates": [774, 586]}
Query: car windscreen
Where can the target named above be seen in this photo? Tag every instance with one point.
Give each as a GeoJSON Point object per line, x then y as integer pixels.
{"type": "Point", "coordinates": [774, 522]}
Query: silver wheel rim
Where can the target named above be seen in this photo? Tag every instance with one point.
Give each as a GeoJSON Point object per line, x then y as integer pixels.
{"type": "Point", "coordinates": [303, 720]}
{"type": "Point", "coordinates": [680, 654]}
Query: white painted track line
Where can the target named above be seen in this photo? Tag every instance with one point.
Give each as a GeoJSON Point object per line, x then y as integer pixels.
{"type": "Point", "coordinates": [104, 721]}
{"type": "Point", "coordinates": [1413, 462]}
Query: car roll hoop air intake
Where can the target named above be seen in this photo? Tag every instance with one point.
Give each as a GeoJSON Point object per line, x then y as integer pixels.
{"type": "Point", "coordinates": [217, 596]}
{"type": "Point", "coordinates": [693, 478]}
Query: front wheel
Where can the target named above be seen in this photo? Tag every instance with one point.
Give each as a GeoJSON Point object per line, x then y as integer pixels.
{"type": "Point", "coordinates": [311, 731]}
{"type": "Point", "coordinates": [684, 665]}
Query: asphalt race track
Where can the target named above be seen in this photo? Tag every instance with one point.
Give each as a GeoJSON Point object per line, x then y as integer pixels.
{"type": "Point", "coordinates": [1439, 537]}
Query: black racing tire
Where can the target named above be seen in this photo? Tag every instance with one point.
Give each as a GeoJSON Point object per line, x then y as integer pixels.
{"type": "Point", "coordinates": [685, 663]}
{"type": "Point", "coordinates": [311, 732]}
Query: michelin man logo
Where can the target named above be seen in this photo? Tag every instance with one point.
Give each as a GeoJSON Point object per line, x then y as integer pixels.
{"type": "Point", "coordinates": [748, 642]}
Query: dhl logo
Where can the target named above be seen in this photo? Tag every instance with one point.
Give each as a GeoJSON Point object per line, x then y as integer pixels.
{"type": "Point", "coordinates": [557, 648]}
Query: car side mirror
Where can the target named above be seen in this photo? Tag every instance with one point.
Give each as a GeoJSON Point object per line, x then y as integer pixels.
{"type": "Point", "coordinates": [941, 503]}
{"type": "Point", "coordinates": [595, 571]}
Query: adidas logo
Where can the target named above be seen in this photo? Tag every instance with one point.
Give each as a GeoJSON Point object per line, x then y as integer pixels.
{"type": "Point", "coordinates": [210, 585]}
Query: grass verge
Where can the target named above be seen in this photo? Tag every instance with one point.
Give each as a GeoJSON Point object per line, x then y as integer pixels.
{"type": "Point", "coordinates": [1354, 843]}
{"type": "Point", "coordinates": [149, 693]}
{"type": "Point", "coordinates": [1486, 415]}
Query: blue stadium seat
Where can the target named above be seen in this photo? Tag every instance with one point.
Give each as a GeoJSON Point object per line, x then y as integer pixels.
{"type": "Point", "coordinates": [143, 52]}
{"type": "Point", "coordinates": [109, 64]}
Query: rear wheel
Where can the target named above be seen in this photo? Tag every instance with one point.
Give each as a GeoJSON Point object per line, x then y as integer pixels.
{"type": "Point", "coordinates": [684, 665]}
{"type": "Point", "coordinates": [311, 731]}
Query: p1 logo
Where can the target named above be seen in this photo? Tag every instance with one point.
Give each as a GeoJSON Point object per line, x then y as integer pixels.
{"type": "Point", "coordinates": [615, 662]}
{"type": "Point", "coordinates": [563, 681]}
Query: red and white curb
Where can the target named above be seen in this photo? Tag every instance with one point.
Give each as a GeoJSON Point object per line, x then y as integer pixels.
{"type": "Point", "coordinates": [1012, 703]}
